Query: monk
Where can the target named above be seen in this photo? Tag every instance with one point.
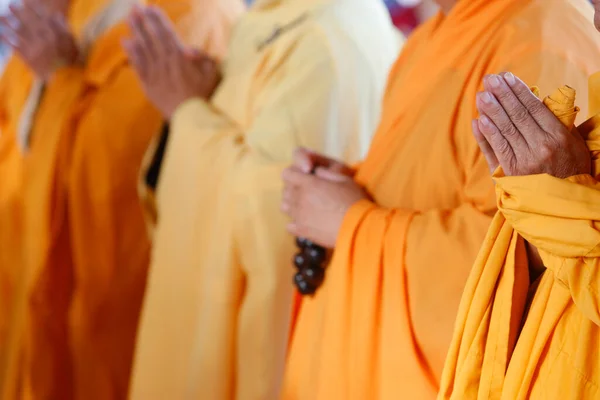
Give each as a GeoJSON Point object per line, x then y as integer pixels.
{"type": "Point", "coordinates": [529, 321]}
{"type": "Point", "coordinates": [216, 317]}
{"type": "Point", "coordinates": [405, 225]}
{"type": "Point", "coordinates": [74, 142]}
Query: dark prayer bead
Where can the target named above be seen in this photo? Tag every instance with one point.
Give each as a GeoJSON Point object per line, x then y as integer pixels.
{"type": "Point", "coordinates": [303, 286]}
{"type": "Point", "coordinates": [313, 275]}
{"type": "Point", "coordinates": [316, 254]}
{"type": "Point", "coordinates": [303, 243]}
{"type": "Point", "coordinates": [300, 260]}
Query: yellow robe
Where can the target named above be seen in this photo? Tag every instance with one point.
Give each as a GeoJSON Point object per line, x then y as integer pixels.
{"type": "Point", "coordinates": [216, 317]}
{"type": "Point", "coordinates": [381, 324]}
{"type": "Point", "coordinates": [517, 339]}
{"type": "Point", "coordinates": [75, 297]}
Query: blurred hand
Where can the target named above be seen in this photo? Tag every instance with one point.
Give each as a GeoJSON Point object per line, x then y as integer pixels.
{"type": "Point", "coordinates": [307, 161]}
{"type": "Point", "coordinates": [317, 204]}
{"type": "Point", "coordinates": [169, 72]}
{"type": "Point", "coordinates": [40, 37]}
{"type": "Point", "coordinates": [517, 131]}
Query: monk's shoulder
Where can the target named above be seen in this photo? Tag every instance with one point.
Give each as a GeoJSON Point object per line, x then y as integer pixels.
{"type": "Point", "coordinates": [366, 27]}
{"type": "Point", "coordinates": [561, 26]}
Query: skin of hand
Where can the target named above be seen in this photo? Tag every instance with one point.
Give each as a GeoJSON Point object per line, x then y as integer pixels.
{"type": "Point", "coordinates": [40, 36]}
{"type": "Point", "coordinates": [317, 204]}
{"type": "Point", "coordinates": [517, 131]}
{"type": "Point", "coordinates": [170, 73]}
{"type": "Point", "coordinates": [307, 161]}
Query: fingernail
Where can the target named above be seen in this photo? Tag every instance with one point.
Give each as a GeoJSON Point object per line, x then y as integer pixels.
{"type": "Point", "coordinates": [485, 120]}
{"type": "Point", "coordinates": [486, 98]}
{"type": "Point", "coordinates": [494, 81]}
{"type": "Point", "coordinates": [510, 78]}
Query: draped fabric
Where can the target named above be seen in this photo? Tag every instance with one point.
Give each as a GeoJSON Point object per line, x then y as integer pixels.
{"type": "Point", "coordinates": [74, 296]}
{"type": "Point", "coordinates": [381, 324]}
{"type": "Point", "coordinates": [216, 317]}
{"type": "Point", "coordinates": [506, 347]}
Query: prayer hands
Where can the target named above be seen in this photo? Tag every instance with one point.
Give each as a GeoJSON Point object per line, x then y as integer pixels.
{"type": "Point", "coordinates": [517, 131]}
{"type": "Point", "coordinates": [40, 37]}
{"type": "Point", "coordinates": [318, 203]}
{"type": "Point", "coordinates": [169, 72]}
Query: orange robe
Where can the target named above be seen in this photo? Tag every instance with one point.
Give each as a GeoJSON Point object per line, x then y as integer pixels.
{"type": "Point", "coordinates": [77, 293]}
{"type": "Point", "coordinates": [517, 339]}
{"type": "Point", "coordinates": [380, 326]}
{"type": "Point", "coordinates": [14, 87]}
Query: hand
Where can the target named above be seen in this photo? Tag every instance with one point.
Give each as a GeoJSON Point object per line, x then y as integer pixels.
{"type": "Point", "coordinates": [318, 203]}
{"type": "Point", "coordinates": [169, 72]}
{"type": "Point", "coordinates": [40, 37]}
{"type": "Point", "coordinates": [307, 161]}
{"type": "Point", "coordinates": [517, 131]}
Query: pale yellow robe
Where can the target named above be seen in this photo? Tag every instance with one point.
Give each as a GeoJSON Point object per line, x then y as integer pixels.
{"type": "Point", "coordinates": [217, 311]}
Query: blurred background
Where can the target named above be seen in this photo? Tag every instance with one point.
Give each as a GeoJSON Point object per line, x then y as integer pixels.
{"type": "Point", "coordinates": [406, 15]}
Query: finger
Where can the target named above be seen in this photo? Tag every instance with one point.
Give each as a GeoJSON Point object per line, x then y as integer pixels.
{"type": "Point", "coordinates": [8, 21]}
{"type": "Point", "coordinates": [135, 56]}
{"type": "Point", "coordinates": [330, 175]}
{"type": "Point", "coordinates": [545, 119]}
{"type": "Point", "coordinates": [24, 21]}
{"type": "Point", "coordinates": [8, 36]}
{"type": "Point", "coordinates": [295, 177]}
{"type": "Point", "coordinates": [519, 115]}
{"type": "Point", "coordinates": [500, 146]}
{"type": "Point", "coordinates": [488, 105]}
{"type": "Point", "coordinates": [303, 159]}
{"type": "Point", "coordinates": [142, 37]}
{"type": "Point", "coordinates": [164, 27]}
{"type": "Point", "coordinates": [151, 32]}
{"type": "Point", "coordinates": [485, 147]}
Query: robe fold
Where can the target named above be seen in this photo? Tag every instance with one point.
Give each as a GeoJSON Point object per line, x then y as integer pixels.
{"type": "Point", "coordinates": [76, 295]}
{"type": "Point", "coordinates": [516, 339]}
{"type": "Point", "coordinates": [380, 326]}
{"type": "Point", "coordinates": [216, 317]}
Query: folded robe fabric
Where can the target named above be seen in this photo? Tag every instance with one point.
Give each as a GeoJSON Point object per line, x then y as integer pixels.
{"type": "Point", "coordinates": [548, 347]}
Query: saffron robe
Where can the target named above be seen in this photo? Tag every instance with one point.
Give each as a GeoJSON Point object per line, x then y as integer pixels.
{"type": "Point", "coordinates": [381, 324]}
{"type": "Point", "coordinates": [76, 295]}
{"type": "Point", "coordinates": [517, 339]}
{"type": "Point", "coordinates": [216, 317]}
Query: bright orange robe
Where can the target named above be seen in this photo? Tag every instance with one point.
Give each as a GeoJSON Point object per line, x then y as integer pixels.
{"type": "Point", "coordinates": [14, 87]}
{"type": "Point", "coordinates": [78, 292]}
{"type": "Point", "coordinates": [517, 339]}
{"type": "Point", "coordinates": [380, 326]}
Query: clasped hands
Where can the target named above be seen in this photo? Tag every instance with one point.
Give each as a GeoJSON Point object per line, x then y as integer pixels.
{"type": "Point", "coordinates": [318, 192]}
{"type": "Point", "coordinates": [517, 131]}
{"type": "Point", "coordinates": [40, 35]}
{"type": "Point", "coordinates": [170, 71]}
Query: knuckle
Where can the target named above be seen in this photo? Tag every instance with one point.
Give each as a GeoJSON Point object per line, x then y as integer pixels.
{"type": "Point", "coordinates": [520, 115]}
{"type": "Point", "coordinates": [508, 130]}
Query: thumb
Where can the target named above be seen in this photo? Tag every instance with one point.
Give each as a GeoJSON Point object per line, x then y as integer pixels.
{"type": "Point", "coordinates": [329, 175]}
{"type": "Point", "coordinates": [303, 160]}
